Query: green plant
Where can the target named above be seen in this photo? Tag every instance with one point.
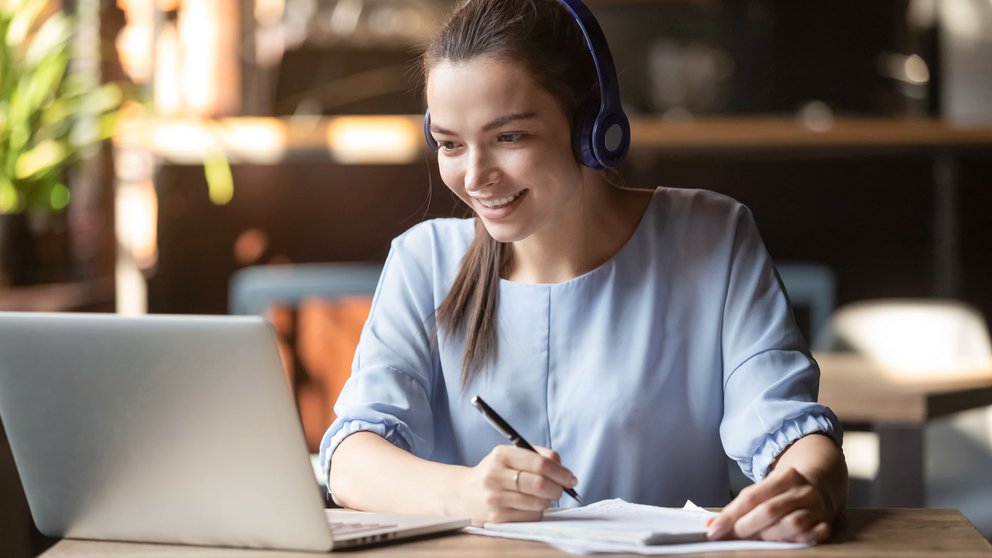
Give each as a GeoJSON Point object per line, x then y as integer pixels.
{"type": "Point", "coordinates": [49, 116]}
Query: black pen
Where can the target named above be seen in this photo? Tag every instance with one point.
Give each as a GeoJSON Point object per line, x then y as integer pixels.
{"type": "Point", "coordinates": [505, 429]}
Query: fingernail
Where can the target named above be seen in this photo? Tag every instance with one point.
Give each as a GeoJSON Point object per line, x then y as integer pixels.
{"type": "Point", "coordinates": [572, 482]}
{"type": "Point", "coordinates": [710, 521]}
{"type": "Point", "coordinates": [717, 529]}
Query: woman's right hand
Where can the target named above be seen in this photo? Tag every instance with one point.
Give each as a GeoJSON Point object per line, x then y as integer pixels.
{"type": "Point", "coordinates": [513, 484]}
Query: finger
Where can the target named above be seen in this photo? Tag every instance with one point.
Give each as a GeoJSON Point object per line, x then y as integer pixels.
{"type": "Point", "coordinates": [819, 533]}
{"type": "Point", "coordinates": [751, 497]}
{"type": "Point", "coordinates": [510, 500]}
{"type": "Point", "coordinates": [530, 462]}
{"type": "Point", "coordinates": [536, 485]}
{"type": "Point", "coordinates": [776, 508]}
{"type": "Point", "coordinates": [549, 453]}
{"type": "Point", "coordinates": [792, 527]}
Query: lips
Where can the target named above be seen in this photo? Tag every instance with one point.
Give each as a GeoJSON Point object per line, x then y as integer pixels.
{"type": "Point", "coordinates": [495, 203]}
{"type": "Point", "coordinates": [498, 208]}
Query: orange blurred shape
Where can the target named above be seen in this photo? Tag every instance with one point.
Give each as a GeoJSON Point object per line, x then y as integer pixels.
{"type": "Point", "coordinates": [250, 245]}
{"type": "Point", "coordinates": [326, 338]}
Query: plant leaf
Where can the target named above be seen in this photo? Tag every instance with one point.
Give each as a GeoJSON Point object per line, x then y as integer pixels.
{"type": "Point", "coordinates": [52, 36]}
{"type": "Point", "coordinates": [220, 183]}
{"type": "Point", "coordinates": [24, 16]}
{"type": "Point", "coordinates": [40, 158]}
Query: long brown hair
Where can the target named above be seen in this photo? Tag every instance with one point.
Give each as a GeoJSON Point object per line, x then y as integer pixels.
{"type": "Point", "coordinates": [541, 36]}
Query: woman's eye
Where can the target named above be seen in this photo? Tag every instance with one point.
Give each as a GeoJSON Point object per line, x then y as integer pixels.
{"type": "Point", "coordinates": [510, 137]}
{"type": "Point", "coordinates": [446, 145]}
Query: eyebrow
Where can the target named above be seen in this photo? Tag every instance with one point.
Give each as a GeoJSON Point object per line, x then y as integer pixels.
{"type": "Point", "coordinates": [493, 124]}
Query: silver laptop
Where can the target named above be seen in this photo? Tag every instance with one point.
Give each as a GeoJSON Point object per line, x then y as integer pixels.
{"type": "Point", "coordinates": [172, 429]}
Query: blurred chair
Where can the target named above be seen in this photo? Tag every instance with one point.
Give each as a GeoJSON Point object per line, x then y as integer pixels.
{"type": "Point", "coordinates": [811, 288]}
{"type": "Point", "coordinates": [911, 335]}
{"type": "Point", "coordinates": [253, 289]}
{"type": "Point", "coordinates": [317, 311]}
{"type": "Point", "coordinates": [920, 339]}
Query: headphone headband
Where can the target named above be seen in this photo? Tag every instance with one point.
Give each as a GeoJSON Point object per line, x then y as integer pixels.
{"type": "Point", "coordinates": [602, 134]}
{"type": "Point", "coordinates": [609, 136]}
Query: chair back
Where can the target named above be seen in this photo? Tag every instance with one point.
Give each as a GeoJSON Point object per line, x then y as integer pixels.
{"type": "Point", "coordinates": [912, 334]}
{"type": "Point", "coordinates": [810, 286]}
{"type": "Point", "coordinates": [317, 312]}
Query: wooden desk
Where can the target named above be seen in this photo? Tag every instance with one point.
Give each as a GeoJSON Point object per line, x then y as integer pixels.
{"type": "Point", "coordinates": [876, 532]}
{"type": "Point", "coordinates": [95, 295]}
{"type": "Point", "coordinates": [897, 409]}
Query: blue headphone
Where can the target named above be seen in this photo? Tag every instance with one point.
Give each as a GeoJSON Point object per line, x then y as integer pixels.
{"type": "Point", "coordinates": [601, 135]}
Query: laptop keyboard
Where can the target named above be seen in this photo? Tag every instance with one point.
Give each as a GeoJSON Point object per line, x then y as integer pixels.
{"type": "Point", "coordinates": [341, 528]}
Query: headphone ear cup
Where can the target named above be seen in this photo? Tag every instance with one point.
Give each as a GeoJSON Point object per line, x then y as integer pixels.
{"type": "Point", "coordinates": [582, 140]}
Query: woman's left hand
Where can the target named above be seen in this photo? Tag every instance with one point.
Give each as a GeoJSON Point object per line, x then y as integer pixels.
{"type": "Point", "coordinates": [785, 506]}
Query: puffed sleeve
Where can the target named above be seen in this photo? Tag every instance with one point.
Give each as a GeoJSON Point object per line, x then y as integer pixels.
{"type": "Point", "coordinates": [770, 379]}
{"type": "Point", "coordinates": [388, 391]}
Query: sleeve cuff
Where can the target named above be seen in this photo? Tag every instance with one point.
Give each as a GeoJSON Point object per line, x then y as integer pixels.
{"type": "Point", "coordinates": [811, 422]}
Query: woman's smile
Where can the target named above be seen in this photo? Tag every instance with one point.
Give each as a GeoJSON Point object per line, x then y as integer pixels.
{"type": "Point", "coordinates": [497, 208]}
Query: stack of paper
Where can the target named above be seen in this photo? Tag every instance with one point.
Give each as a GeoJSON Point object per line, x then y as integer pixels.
{"type": "Point", "coordinates": [619, 526]}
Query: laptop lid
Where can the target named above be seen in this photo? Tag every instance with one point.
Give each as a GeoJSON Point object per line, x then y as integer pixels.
{"type": "Point", "coordinates": [173, 429]}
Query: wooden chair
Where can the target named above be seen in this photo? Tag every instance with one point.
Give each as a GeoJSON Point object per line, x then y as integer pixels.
{"type": "Point", "coordinates": [317, 311]}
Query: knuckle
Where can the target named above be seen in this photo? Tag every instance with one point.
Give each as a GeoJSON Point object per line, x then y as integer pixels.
{"type": "Point", "coordinates": [490, 500]}
{"type": "Point", "coordinates": [542, 485]}
{"type": "Point", "coordinates": [749, 499]}
{"type": "Point", "coordinates": [795, 523]}
{"type": "Point", "coordinates": [534, 515]}
{"type": "Point", "coordinates": [772, 509]}
{"type": "Point", "coordinates": [546, 468]}
{"type": "Point", "coordinates": [805, 491]}
{"type": "Point", "coordinates": [550, 489]}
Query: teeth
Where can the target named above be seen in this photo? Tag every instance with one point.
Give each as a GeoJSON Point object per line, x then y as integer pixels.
{"type": "Point", "coordinates": [499, 202]}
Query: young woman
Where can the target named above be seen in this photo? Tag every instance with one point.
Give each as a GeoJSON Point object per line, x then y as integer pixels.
{"type": "Point", "coordinates": [639, 336]}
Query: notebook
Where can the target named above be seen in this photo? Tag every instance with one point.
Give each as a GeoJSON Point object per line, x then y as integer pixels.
{"type": "Point", "coordinates": [615, 521]}
{"type": "Point", "coordinates": [169, 429]}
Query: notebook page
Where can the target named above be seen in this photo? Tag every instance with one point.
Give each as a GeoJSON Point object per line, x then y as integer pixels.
{"type": "Point", "coordinates": [616, 521]}
{"type": "Point", "coordinates": [570, 543]}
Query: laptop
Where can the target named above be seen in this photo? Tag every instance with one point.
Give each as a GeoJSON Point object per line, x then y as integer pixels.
{"type": "Point", "coordinates": [169, 429]}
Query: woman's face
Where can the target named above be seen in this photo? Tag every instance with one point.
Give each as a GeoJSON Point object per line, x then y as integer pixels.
{"type": "Point", "coordinates": [505, 146]}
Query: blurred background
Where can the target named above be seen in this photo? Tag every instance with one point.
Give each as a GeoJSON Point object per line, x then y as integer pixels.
{"type": "Point", "coordinates": [257, 156]}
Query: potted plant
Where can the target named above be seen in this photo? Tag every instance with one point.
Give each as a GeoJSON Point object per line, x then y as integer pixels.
{"type": "Point", "coordinates": [50, 117]}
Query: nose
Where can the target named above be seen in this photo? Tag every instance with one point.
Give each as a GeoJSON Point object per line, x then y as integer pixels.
{"type": "Point", "coordinates": [481, 171]}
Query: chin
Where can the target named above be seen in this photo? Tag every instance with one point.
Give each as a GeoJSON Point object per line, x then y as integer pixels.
{"type": "Point", "coordinates": [503, 233]}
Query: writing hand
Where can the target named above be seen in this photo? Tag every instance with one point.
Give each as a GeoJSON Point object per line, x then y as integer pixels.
{"type": "Point", "coordinates": [514, 484]}
{"type": "Point", "coordinates": [785, 506]}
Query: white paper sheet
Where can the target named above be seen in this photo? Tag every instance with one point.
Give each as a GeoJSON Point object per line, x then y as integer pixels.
{"type": "Point", "coordinates": [603, 526]}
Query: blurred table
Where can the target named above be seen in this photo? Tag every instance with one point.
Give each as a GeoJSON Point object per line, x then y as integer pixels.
{"type": "Point", "coordinates": [897, 408]}
{"type": "Point", "coordinates": [861, 532]}
{"type": "Point", "coordinates": [96, 295]}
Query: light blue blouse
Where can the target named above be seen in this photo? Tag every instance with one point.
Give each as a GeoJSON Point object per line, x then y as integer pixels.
{"type": "Point", "coordinates": [643, 374]}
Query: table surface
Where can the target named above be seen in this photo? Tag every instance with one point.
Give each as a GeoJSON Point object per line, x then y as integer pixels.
{"type": "Point", "coordinates": [58, 297]}
{"type": "Point", "coordinates": [861, 532]}
{"type": "Point", "coordinates": [860, 391]}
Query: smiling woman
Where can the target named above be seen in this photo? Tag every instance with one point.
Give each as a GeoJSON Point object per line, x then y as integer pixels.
{"type": "Point", "coordinates": [640, 336]}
